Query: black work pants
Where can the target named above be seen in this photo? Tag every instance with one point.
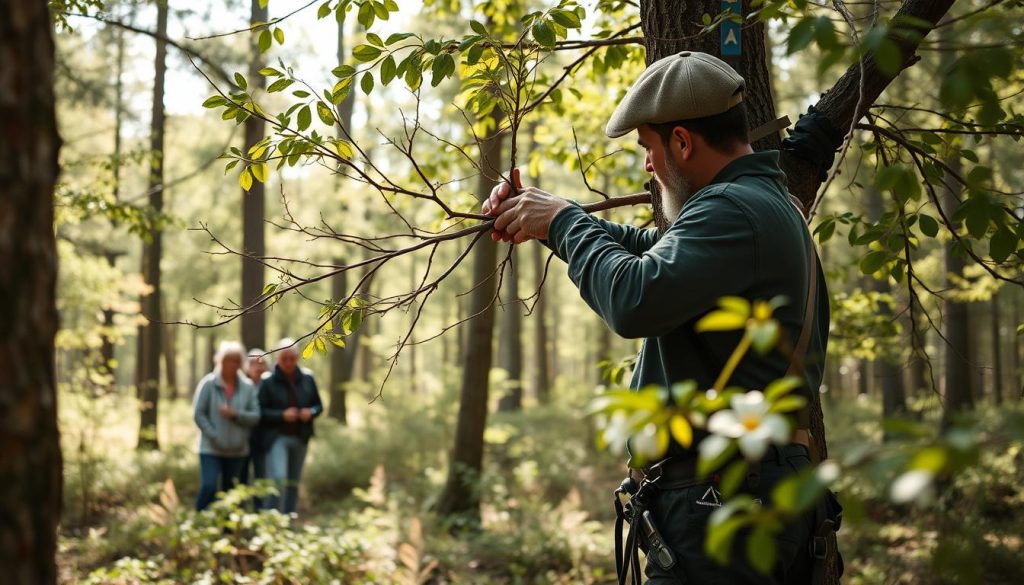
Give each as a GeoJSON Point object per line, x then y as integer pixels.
{"type": "Point", "coordinates": [681, 516]}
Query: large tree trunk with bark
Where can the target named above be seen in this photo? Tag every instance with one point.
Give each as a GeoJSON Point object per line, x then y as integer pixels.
{"type": "Point", "coordinates": [461, 494]}
{"type": "Point", "coordinates": [149, 360]}
{"type": "Point", "coordinates": [254, 323]}
{"type": "Point", "coordinates": [30, 457]}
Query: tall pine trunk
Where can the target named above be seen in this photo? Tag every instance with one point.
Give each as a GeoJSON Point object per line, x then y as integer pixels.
{"type": "Point", "coordinates": [149, 360]}
{"type": "Point", "coordinates": [959, 386]}
{"type": "Point", "coordinates": [342, 360]}
{"type": "Point", "coordinates": [30, 457]}
{"type": "Point", "coordinates": [541, 365]}
{"type": "Point", "coordinates": [254, 323]}
{"type": "Point", "coordinates": [461, 495]}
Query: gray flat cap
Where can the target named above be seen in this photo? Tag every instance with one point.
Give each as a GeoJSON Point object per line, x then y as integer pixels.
{"type": "Point", "coordinates": [683, 86]}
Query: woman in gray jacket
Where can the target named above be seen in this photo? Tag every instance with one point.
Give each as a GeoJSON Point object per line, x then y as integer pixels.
{"type": "Point", "coordinates": [226, 408]}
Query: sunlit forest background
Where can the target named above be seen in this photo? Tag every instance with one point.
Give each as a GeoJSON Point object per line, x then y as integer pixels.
{"type": "Point", "coordinates": [151, 281]}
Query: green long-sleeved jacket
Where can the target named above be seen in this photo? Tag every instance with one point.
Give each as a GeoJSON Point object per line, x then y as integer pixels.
{"type": "Point", "coordinates": [738, 236]}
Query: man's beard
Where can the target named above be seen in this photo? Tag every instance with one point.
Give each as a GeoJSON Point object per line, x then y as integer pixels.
{"type": "Point", "coordinates": [675, 190]}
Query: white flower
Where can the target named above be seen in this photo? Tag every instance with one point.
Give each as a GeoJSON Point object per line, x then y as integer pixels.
{"type": "Point", "coordinates": [751, 423]}
{"type": "Point", "coordinates": [828, 472]}
{"type": "Point", "coordinates": [712, 446]}
{"type": "Point", "coordinates": [645, 443]}
{"type": "Point", "coordinates": [616, 432]}
{"type": "Point", "coordinates": [912, 485]}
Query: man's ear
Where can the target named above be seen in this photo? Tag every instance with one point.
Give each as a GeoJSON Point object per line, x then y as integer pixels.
{"type": "Point", "coordinates": [683, 139]}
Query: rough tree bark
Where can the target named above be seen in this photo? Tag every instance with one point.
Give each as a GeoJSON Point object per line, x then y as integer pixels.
{"type": "Point", "coordinates": [461, 494]}
{"type": "Point", "coordinates": [254, 323]}
{"type": "Point", "coordinates": [997, 356]}
{"type": "Point", "coordinates": [959, 388]}
{"type": "Point", "coordinates": [30, 457]}
{"type": "Point", "coordinates": [149, 359]}
{"type": "Point", "coordinates": [541, 367]}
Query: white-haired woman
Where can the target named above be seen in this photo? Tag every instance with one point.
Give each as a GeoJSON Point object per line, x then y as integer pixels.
{"type": "Point", "coordinates": [226, 408]}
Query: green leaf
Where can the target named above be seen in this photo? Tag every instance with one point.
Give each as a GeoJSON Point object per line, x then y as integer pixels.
{"type": "Point", "coordinates": [1003, 243]}
{"type": "Point", "coordinates": [240, 81]}
{"type": "Point", "coordinates": [566, 18]}
{"type": "Point", "coordinates": [825, 230]}
{"type": "Point", "coordinates": [269, 288]}
{"type": "Point", "coordinates": [788, 404]}
{"type": "Point", "coordinates": [279, 36]}
{"type": "Point", "coordinates": [214, 101]}
{"type": "Point", "coordinates": [477, 27]}
{"type": "Point", "coordinates": [397, 37]}
{"type": "Point", "coordinates": [307, 352]}
{"type": "Point", "coordinates": [544, 34]}
{"type": "Point", "coordinates": [380, 10]}
{"type": "Point", "coordinates": [270, 72]}
{"type": "Point", "coordinates": [326, 116]}
{"type": "Point", "coordinates": [366, 83]}
{"type": "Point", "coordinates": [304, 118]}
{"type": "Point", "coordinates": [374, 39]}
{"type": "Point", "coordinates": [280, 85]}
{"type": "Point", "coordinates": [343, 71]}
{"type": "Point", "coordinates": [928, 225]}
{"type": "Point", "coordinates": [873, 261]}
{"type": "Point", "coordinates": [323, 11]}
{"type": "Point", "coordinates": [764, 336]}
{"type": "Point", "coordinates": [388, 70]}
{"type": "Point", "coordinates": [364, 53]}
{"type": "Point", "coordinates": [779, 388]}
{"type": "Point", "coordinates": [265, 40]}
{"type": "Point", "coordinates": [366, 15]}
{"type": "Point", "coordinates": [800, 35]}
{"type": "Point", "coordinates": [761, 550]}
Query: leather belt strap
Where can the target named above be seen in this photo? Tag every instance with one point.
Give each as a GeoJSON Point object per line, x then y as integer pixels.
{"type": "Point", "coordinates": [776, 125]}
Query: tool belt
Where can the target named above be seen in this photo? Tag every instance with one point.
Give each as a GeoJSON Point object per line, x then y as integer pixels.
{"type": "Point", "coordinates": [633, 498]}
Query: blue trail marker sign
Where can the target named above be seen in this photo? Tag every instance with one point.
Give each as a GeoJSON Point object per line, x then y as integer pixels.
{"type": "Point", "coordinates": [731, 31]}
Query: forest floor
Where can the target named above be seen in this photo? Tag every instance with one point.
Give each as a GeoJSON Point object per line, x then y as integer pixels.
{"type": "Point", "coordinates": [547, 518]}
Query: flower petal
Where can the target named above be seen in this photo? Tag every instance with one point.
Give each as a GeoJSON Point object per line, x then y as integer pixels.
{"type": "Point", "coordinates": [725, 422]}
{"type": "Point", "coordinates": [777, 427]}
{"type": "Point", "coordinates": [712, 446]}
{"type": "Point", "coordinates": [749, 404]}
{"type": "Point", "coordinates": [754, 444]}
{"type": "Point", "coordinates": [911, 485]}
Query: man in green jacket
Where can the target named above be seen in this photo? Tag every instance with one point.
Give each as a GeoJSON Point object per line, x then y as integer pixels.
{"type": "Point", "coordinates": [733, 231]}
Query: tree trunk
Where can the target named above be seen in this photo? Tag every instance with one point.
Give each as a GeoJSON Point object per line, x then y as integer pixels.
{"type": "Point", "coordinates": [149, 391]}
{"type": "Point", "coordinates": [254, 325]}
{"type": "Point", "coordinates": [342, 361]}
{"type": "Point", "coordinates": [541, 376]}
{"type": "Point", "coordinates": [997, 349]}
{"type": "Point", "coordinates": [959, 390]}
{"type": "Point", "coordinates": [887, 369]}
{"type": "Point", "coordinates": [170, 353]}
{"type": "Point", "coordinates": [30, 456]}
{"type": "Point", "coordinates": [510, 344]}
{"type": "Point", "coordinates": [461, 494]}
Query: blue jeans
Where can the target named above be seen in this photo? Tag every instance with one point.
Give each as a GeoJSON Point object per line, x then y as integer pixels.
{"type": "Point", "coordinates": [284, 466]}
{"type": "Point", "coordinates": [216, 474]}
{"type": "Point", "coordinates": [258, 459]}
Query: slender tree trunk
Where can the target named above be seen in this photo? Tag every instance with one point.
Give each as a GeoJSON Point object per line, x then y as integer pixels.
{"type": "Point", "coordinates": [170, 353]}
{"type": "Point", "coordinates": [107, 344]}
{"type": "Point", "coordinates": [959, 387]}
{"type": "Point", "coordinates": [342, 361]}
{"type": "Point", "coordinates": [461, 494]}
{"type": "Point", "coordinates": [30, 456]}
{"type": "Point", "coordinates": [542, 377]}
{"type": "Point", "coordinates": [254, 326]}
{"type": "Point", "coordinates": [152, 252]}
{"type": "Point", "coordinates": [997, 349]}
{"type": "Point", "coordinates": [510, 344]}
{"type": "Point", "coordinates": [194, 373]}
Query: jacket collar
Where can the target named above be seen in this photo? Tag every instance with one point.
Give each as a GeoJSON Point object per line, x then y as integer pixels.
{"type": "Point", "coordinates": [764, 163]}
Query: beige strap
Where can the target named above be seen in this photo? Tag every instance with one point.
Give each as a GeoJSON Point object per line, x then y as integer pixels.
{"type": "Point", "coordinates": [776, 125]}
{"type": "Point", "coordinates": [796, 363]}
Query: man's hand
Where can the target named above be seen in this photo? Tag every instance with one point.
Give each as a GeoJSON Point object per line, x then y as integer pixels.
{"type": "Point", "coordinates": [524, 216]}
{"type": "Point", "coordinates": [290, 414]}
{"type": "Point", "coordinates": [227, 412]}
{"type": "Point", "coordinates": [305, 415]}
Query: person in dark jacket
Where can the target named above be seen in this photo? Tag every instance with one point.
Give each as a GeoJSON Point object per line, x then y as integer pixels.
{"type": "Point", "coordinates": [289, 401]}
{"type": "Point", "coordinates": [225, 409]}
{"type": "Point", "coordinates": [256, 369]}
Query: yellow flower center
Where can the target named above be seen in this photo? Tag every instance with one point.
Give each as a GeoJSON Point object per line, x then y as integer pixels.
{"type": "Point", "coordinates": [751, 422]}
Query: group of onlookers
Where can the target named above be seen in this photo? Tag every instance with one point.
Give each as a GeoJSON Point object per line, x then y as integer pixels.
{"type": "Point", "coordinates": [249, 414]}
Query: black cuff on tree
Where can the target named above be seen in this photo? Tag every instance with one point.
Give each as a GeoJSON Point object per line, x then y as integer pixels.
{"type": "Point", "coordinates": [815, 139]}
